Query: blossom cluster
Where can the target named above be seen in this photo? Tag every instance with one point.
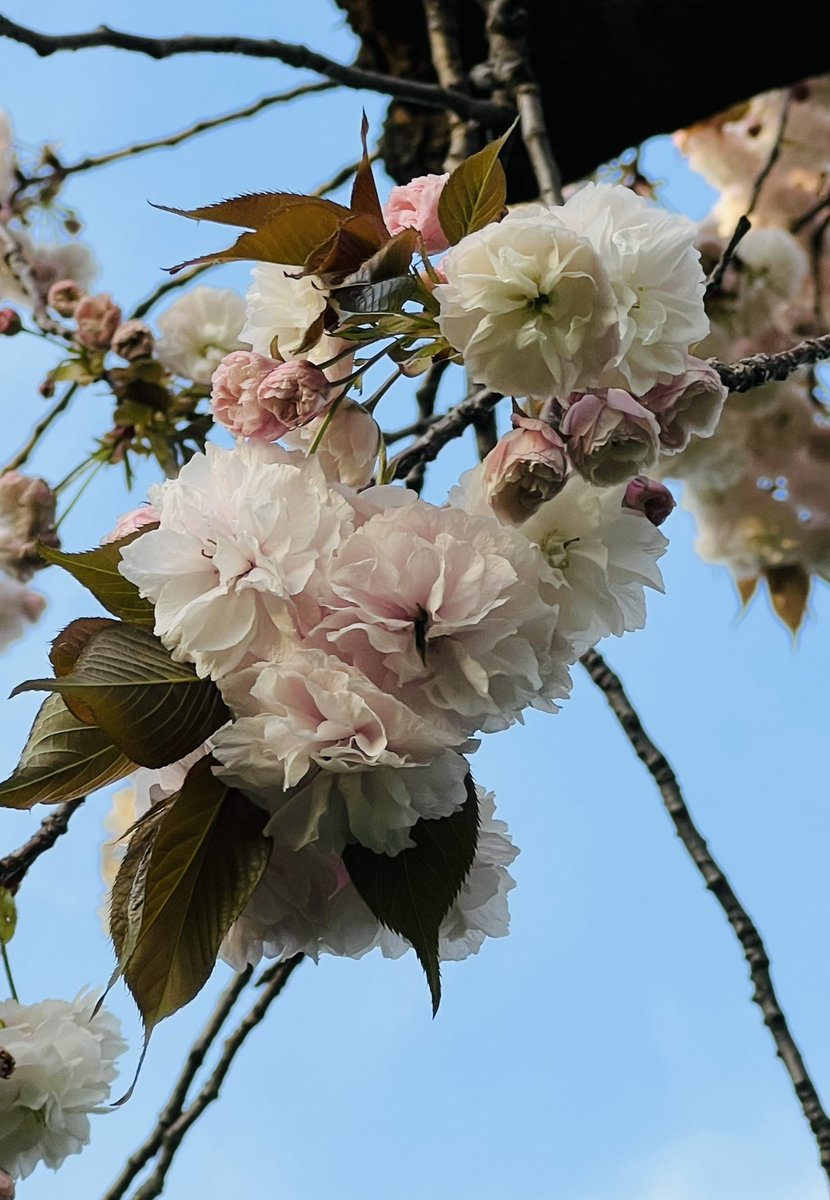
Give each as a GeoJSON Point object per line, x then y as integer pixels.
{"type": "Point", "coordinates": [758, 487]}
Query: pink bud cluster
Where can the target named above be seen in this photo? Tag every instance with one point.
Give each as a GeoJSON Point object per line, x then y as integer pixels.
{"type": "Point", "coordinates": [262, 398]}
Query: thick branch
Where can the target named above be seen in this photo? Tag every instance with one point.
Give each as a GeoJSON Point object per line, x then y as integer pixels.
{"type": "Point", "coordinates": [292, 55]}
{"type": "Point", "coordinates": [174, 1106]}
{"type": "Point", "coordinates": [758, 369]}
{"type": "Point", "coordinates": [443, 31]}
{"type": "Point", "coordinates": [753, 947]}
{"type": "Point", "coordinates": [14, 866]}
{"type": "Point", "coordinates": [444, 430]}
{"type": "Point", "coordinates": [272, 983]}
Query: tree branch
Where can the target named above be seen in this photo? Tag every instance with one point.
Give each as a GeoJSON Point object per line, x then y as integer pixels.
{"type": "Point", "coordinates": [445, 429]}
{"type": "Point", "coordinates": [507, 26]}
{"type": "Point", "coordinates": [443, 32]}
{"type": "Point", "coordinates": [758, 369]}
{"type": "Point", "coordinates": [61, 171]}
{"type": "Point", "coordinates": [14, 866]}
{"type": "Point", "coordinates": [272, 983]}
{"type": "Point", "coordinates": [174, 1106]}
{"type": "Point", "coordinates": [300, 57]}
{"type": "Point", "coordinates": [755, 953]}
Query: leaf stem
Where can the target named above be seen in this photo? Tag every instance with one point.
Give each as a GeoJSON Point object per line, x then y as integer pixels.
{"type": "Point", "coordinates": [8, 970]}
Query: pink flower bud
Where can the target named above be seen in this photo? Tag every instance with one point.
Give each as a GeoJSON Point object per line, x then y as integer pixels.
{"type": "Point", "coordinates": [525, 468]}
{"type": "Point", "coordinates": [64, 297]}
{"type": "Point", "coordinates": [27, 516]}
{"type": "Point", "coordinates": [10, 322]}
{"type": "Point", "coordinates": [132, 340]}
{"type": "Point", "coordinates": [233, 396]}
{"type": "Point", "coordinates": [610, 436]}
{"type": "Point", "coordinates": [6, 1186]}
{"type": "Point", "coordinates": [294, 393]}
{"type": "Point", "coordinates": [97, 319]}
{"type": "Point", "coordinates": [649, 496]}
{"type": "Point", "coordinates": [414, 205]}
{"type": "Point", "coordinates": [131, 522]}
{"type": "Point", "coordinates": [689, 404]}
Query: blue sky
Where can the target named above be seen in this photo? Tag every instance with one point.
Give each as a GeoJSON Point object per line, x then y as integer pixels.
{"type": "Point", "coordinates": [606, 1050]}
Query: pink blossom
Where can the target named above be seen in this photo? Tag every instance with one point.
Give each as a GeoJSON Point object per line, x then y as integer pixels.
{"type": "Point", "coordinates": [132, 340]}
{"type": "Point", "coordinates": [97, 318]}
{"type": "Point", "coordinates": [610, 436]}
{"type": "Point", "coordinates": [27, 516]}
{"type": "Point", "coordinates": [64, 296]}
{"type": "Point", "coordinates": [18, 606]}
{"type": "Point", "coordinates": [690, 403]}
{"type": "Point", "coordinates": [649, 496]}
{"type": "Point", "coordinates": [528, 466]}
{"type": "Point", "coordinates": [259, 397]}
{"type": "Point", "coordinates": [414, 205]}
{"type": "Point", "coordinates": [131, 522]}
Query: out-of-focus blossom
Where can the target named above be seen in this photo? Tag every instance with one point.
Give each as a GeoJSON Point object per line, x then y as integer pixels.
{"type": "Point", "coordinates": [97, 318]}
{"type": "Point", "coordinates": [19, 606]}
{"type": "Point", "coordinates": [10, 322]}
{"type": "Point", "coordinates": [27, 516]}
{"type": "Point", "coordinates": [198, 330]}
{"type": "Point", "coordinates": [64, 296]}
{"type": "Point", "coordinates": [134, 339]}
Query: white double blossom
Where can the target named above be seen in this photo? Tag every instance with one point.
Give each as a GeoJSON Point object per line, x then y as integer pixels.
{"type": "Point", "coordinates": [63, 1065]}
{"type": "Point", "coordinates": [198, 330]}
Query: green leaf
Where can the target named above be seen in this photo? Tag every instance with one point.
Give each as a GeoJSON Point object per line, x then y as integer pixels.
{"type": "Point", "coordinates": [366, 298]}
{"type": "Point", "coordinates": [156, 710]}
{"type": "Point", "coordinates": [63, 759]}
{"type": "Point", "coordinates": [413, 891]}
{"type": "Point", "coordinates": [254, 210]}
{"type": "Point", "coordinates": [289, 237]}
{"type": "Point", "coordinates": [475, 193]}
{"type": "Point", "coordinates": [208, 853]}
{"type": "Point", "coordinates": [98, 571]}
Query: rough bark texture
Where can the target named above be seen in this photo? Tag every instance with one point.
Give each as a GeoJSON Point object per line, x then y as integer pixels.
{"type": "Point", "coordinates": [612, 72]}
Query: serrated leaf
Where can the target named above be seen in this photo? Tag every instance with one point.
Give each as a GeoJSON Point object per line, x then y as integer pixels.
{"type": "Point", "coordinates": [475, 193]}
{"type": "Point", "coordinates": [367, 298]}
{"type": "Point", "coordinates": [289, 237]}
{"type": "Point", "coordinates": [65, 650]}
{"type": "Point", "coordinates": [156, 710]}
{"type": "Point", "coordinates": [63, 759]}
{"type": "Point", "coordinates": [365, 197]}
{"type": "Point", "coordinates": [252, 210]}
{"type": "Point", "coordinates": [351, 245]}
{"type": "Point", "coordinates": [127, 896]}
{"type": "Point", "coordinates": [97, 570]}
{"type": "Point", "coordinates": [413, 891]}
{"type": "Point", "coordinates": [208, 855]}
{"type": "Point", "coordinates": [392, 260]}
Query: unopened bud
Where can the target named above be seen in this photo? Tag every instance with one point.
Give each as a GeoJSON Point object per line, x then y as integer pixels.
{"type": "Point", "coordinates": [132, 340]}
{"type": "Point", "coordinates": [64, 296]}
{"type": "Point", "coordinates": [650, 497]}
{"type": "Point", "coordinates": [6, 1186]}
{"type": "Point", "coordinates": [47, 389]}
{"type": "Point", "coordinates": [6, 1064]}
{"type": "Point", "coordinates": [527, 467]}
{"type": "Point", "coordinates": [10, 322]}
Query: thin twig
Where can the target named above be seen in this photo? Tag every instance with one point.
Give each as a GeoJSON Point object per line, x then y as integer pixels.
{"type": "Point", "coordinates": [764, 994]}
{"type": "Point", "coordinates": [175, 1104]}
{"type": "Point", "coordinates": [300, 57]}
{"type": "Point", "coordinates": [14, 866]}
{"type": "Point", "coordinates": [170, 285]}
{"type": "Point", "coordinates": [342, 176]}
{"type": "Point", "coordinates": [758, 369]}
{"type": "Point", "coordinates": [425, 398]}
{"type": "Point", "coordinates": [510, 60]}
{"type": "Point", "coordinates": [272, 982]}
{"type": "Point", "coordinates": [175, 139]}
{"type": "Point", "coordinates": [43, 424]}
{"type": "Point", "coordinates": [811, 212]}
{"type": "Point", "coordinates": [744, 225]}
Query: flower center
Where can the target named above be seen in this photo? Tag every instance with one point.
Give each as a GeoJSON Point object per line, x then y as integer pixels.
{"type": "Point", "coordinates": [555, 549]}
